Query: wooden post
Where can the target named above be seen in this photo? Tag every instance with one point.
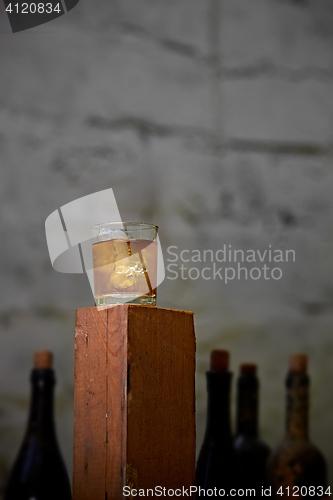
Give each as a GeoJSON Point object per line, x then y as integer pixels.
{"type": "Point", "coordinates": [134, 402]}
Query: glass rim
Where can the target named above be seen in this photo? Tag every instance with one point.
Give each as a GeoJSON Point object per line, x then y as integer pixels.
{"type": "Point", "coordinates": [140, 225]}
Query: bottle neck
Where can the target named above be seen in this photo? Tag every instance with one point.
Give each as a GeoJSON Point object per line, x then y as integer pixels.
{"type": "Point", "coordinates": [297, 406]}
{"type": "Point", "coordinates": [41, 407]}
{"type": "Point", "coordinates": [247, 405]}
{"type": "Point", "coordinates": [218, 426]}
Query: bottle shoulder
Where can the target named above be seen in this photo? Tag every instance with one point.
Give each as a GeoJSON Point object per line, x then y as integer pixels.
{"type": "Point", "coordinates": [251, 444]}
{"type": "Point", "coordinates": [35, 469]}
{"type": "Point", "coordinates": [296, 462]}
{"type": "Point", "coordinates": [214, 459]}
{"type": "Point", "coordinates": [224, 445]}
{"type": "Point", "coordinates": [296, 447]}
{"type": "Point", "coordinates": [37, 458]}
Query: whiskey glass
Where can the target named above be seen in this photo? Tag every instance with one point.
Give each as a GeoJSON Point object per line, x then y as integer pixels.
{"type": "Point", "coordinates": [125, 263]}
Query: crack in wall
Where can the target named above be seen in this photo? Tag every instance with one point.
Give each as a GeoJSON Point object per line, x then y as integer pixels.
{"type": "Point", "coordinates": [256, 69]}
{"type": "Point", "coordinates": [270, 70]}
{"type": "Point", "coordinates": [169, 44]}
{"type": "Point", "coordinates": [147, 128]}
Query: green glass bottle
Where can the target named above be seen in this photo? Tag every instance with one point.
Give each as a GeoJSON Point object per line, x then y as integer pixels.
{"type": "Point", "coordinates": [39, 472]}
{"type": "Point", "coordinates": [250, 450]}
{"type": "Point", "coordinates": [216, 465]}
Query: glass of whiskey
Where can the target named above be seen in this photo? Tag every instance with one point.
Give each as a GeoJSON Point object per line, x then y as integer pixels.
{"type": "Point", "coordinates": [125, 263]}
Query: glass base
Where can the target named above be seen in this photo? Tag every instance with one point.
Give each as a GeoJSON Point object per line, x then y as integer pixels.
{"type": "Point", "coordinates": [147, 300]}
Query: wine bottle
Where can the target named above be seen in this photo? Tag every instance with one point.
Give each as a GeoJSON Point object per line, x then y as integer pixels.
{"type": "Point", "coordinates": [296, 462]}
{"type": "Point", "coordinates": [251, 452]}
{"type": "Point", "coordinates": [39, 472]}
{"type": "Point", "coordinates": [215, 466]}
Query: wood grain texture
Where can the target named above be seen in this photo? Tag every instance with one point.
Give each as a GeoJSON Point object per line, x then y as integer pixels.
{"type": "Point", "coordinates": [160, 398]}
{"type": "Point", "coordinates": [116, 401]}
{"type": "Point", "coordinates": [134, 402]}
{"type": "Point", "coordinates": [90, 404]}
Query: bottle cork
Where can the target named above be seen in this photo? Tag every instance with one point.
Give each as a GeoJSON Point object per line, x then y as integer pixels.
{"type": "Point", "coordinates": [219, 360]}
{"type": "Point", "coordinates": [248, 369]}
{"type": "Point", "coordinates": [298, 363]}
{"type": "Point", "coordinates": [43, 359]}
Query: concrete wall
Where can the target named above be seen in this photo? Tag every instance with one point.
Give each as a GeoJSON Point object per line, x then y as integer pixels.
{"type": "Point", "coordinates": [211, 118]}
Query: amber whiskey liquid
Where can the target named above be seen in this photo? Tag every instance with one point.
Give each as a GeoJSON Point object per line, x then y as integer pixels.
{"type": "Point", "coordinates": [125, 270]}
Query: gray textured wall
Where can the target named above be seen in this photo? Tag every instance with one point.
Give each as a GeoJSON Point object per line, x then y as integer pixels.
{"type": "Point", "coordinates": [211, 118]}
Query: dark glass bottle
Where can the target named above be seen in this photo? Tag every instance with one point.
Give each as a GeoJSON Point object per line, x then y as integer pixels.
{"type": "Point", "coordinates": [215, 466]}
{"type": "Point", "coordinates": [296, 462]}
{"type": "Point", "coordinates": [251, 452]}
{"type": "Point", "coordinates": [39, 472]}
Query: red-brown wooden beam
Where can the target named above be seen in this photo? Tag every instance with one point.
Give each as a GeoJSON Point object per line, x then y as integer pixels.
{"type": "Point", "coordinates": [134, 400]}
